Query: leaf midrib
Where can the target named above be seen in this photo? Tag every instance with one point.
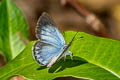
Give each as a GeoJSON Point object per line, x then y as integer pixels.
{"type": "Point", "coordinates": [9, 28]}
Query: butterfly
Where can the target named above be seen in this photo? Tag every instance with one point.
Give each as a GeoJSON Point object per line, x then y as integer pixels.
{"type": "Point", "coordinates": [50, 46]}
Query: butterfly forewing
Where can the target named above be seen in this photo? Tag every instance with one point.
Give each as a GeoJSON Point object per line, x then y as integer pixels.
{"type": "Point", "coordinates": [47, 32]}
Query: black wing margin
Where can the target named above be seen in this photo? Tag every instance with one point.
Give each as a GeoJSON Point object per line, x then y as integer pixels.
{"type": "Point", "coordinates": [44, 20]}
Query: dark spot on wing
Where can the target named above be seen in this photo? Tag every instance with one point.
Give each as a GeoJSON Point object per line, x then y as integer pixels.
{"type": "Point", "coordinates": [45, 19]}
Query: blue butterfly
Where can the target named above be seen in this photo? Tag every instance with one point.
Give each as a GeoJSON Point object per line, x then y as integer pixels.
{"type": "Point", "coordinates": [50, 46]}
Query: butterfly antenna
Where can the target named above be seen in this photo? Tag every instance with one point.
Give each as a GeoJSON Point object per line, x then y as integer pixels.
{"type": "Point", "coordinates": [72, 39]}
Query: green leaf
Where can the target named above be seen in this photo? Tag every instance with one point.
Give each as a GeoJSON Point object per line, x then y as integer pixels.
{"type": "Point", "coordinates": [13, 29]}
{"type": "Point", "coordinates": [82, 48]}
{"type": "Point", "coordinates": [102, 52]}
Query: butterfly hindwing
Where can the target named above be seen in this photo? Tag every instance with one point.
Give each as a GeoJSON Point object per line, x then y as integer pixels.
{"type": "Point", "coordinates": [44, 52]}
{"type": "Point", "coordinates": [47, 32]}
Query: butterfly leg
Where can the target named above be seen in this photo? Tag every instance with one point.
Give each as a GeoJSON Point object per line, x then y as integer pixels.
{"type": "Point", "coordinates": [71, 55]}
{"type": "Point", "coordinates": [65, 56]}
{"type": "Point", "coordinates": [68, 53]}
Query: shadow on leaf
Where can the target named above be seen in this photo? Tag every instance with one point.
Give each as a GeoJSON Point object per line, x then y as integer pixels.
{"type": "Point", "coordinates": [68, 63]}
{"type": "Point", "coordinates": [61, 64]}
{"type": "Point", "coordinates": [41, 67]}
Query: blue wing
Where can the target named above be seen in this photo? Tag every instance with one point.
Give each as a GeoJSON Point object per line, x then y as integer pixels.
{"type": "Point", "coordinates": [51, 42]}
{"type": "Point", "coordinates": [47, 32]}
{"type": "Point", "coordinates": [44, 52]}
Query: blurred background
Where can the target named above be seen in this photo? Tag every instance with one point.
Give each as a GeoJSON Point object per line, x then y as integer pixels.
{"type": "Point", "coordinates": [96, 17]}
{"type": "Point", "coordinates": [67, 17]}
